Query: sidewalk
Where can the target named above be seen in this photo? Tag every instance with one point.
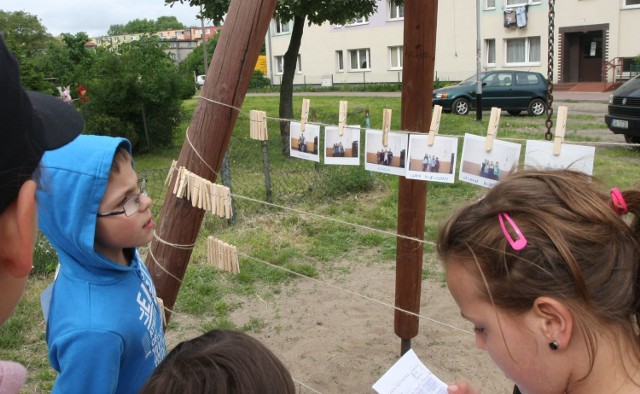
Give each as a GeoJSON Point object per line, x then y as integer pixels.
{"type": "Point", "coordinates": [557, 96]}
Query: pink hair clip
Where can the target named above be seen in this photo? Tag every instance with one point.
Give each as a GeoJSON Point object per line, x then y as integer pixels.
{"type": "Point", "coordinates": [619, 205]}
{"type": "Point", "coordinates": [517, 244]}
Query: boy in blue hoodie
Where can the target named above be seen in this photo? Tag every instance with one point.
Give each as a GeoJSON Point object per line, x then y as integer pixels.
{"type": "Point", "coordinates": [104, 325]}
{"type": "Point", "coordinates": [30, 123]}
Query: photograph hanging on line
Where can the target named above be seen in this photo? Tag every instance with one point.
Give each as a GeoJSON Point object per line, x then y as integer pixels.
{"type": "Point", "coordinates": [539, 155]}
{"type": "Point", "coordinates": [342, 149]}
{"type": "Point", "coordinates": [304, 144]}
{"type": "Point", "coordinates": [389, 159]}
{"type": "Point", "coordinates": [436, 162]}
{"type": "Point", "coordinates": [486, 167]}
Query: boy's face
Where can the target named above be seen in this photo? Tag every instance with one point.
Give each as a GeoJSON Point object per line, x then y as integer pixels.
{"type": "Point", "coordinates": [117, 232]}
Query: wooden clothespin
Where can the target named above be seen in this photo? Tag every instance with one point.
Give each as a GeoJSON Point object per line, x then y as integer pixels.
{"type": "Point", "coordinates": [172, 169]}
{"type": "Point", "coordinates": [253, 124]}
{"type": "Point", "coordinates": [304, 116]}
{"type": "Point", "coordinates": [492, 130]}
{"type": "Point", "coordinates": [262, 130]}
{"type": "Point", "coordinates": [258, 125]}
{"type": "Point", "coordinates": [386, 125]}
{"type": "Point", "coordinates": [342, 117]}
{"type": "Point", "coordinates": [162, 311]}
{"type": "Point", "coordinates": [435, 123]}
{"type": "Point", "coordinates": [561, 128]}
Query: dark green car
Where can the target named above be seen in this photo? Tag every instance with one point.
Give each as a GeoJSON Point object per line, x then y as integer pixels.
{"type": "Point", "coordinates": [512, 91]}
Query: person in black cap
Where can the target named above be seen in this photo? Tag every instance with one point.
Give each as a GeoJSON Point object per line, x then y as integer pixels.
{"type": "Point", "coordinates": [30, 124]}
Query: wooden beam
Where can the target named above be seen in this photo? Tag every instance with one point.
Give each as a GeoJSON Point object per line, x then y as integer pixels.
{"type": "Point", "coordinates": [208, 136]}
{"type": "Point", "coordinates": [420, 22]}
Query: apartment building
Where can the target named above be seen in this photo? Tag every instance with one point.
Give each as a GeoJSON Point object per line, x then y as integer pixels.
{"type": "Point", "coordinates": [594, 40]}
{"type": "Point", "coordinates": [180, 42]}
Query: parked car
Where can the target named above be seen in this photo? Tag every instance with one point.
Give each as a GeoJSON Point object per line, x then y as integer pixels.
{"type": "Point", "coordinates": [623, 114]}
{"type": "Point", "coordinates": [200, 80]}
{"type": "Point", "coordinates": [512, 91]}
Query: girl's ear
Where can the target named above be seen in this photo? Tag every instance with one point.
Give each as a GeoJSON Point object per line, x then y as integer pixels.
{"type": "Point", "coordinates": [18, 230]}
{"type": "Point", "coordinates": [556, 320]}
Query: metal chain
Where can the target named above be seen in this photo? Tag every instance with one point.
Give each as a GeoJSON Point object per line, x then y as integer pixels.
{"type": "Point", "coordinates": [549, 122]}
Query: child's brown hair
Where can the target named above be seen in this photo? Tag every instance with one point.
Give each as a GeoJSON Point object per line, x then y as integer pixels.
{"type": "Point", "coordinates": [578, 251]}
{"type": "Point", "coordinates": [221, 361]}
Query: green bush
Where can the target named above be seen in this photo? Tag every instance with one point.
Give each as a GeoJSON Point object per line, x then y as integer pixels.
{"type": "Point", "coordinates": [102, 124]}
{"type": "Point", "coordinates": [258, 80]}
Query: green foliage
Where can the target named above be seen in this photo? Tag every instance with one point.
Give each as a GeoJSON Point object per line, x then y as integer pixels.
{"type": "Point", "coordinates": [103, 124]}
{"type": "Point", "coordinates": [146, 26]}
{"type": "Point", "coordinates": [138, 84]}
{"type": "Point", "coordinates": [258, 80]}
{"type": "Point", "coordinates": [25, 36]}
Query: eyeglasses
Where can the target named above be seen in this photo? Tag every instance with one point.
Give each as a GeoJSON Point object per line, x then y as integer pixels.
{"type": "Point", "coordinates": [131, 205]}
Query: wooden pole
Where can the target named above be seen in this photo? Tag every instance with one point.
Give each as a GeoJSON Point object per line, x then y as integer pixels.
{"type": "Point", "coordinates": [420, 23]}
{"type": "Point", "coordinates": [209, 132]}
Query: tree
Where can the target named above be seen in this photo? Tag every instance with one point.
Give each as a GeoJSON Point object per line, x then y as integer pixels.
{"type": "Point", "coordinates": [299, 11]}
{"type": "Point", "coordinates": [136, 91]}
{"type": "Point", "coordinates": [26, 37]}
{"type": "Point", "coordinates": [62, 62]}
{"type": "Point", "coordinates": [116, 30]}
{"type": "Point", "coordinates": [169, 23]}
{"type": "Point", "coordinates": [146, 26]}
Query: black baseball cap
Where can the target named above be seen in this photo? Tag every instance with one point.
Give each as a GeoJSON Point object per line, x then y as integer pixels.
{"type": "Point", "coordinates": [30, 124]}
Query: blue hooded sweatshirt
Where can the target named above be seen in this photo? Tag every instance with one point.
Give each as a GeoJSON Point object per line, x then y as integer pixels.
{"type": "Point", "coordinates": [104, 327]}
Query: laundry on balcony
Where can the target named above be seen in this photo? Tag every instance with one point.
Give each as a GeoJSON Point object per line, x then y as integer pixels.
{"type": "Point", "coordinates": [515, 17]}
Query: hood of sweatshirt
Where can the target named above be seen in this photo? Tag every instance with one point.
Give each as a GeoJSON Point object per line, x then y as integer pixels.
{"type": "Point", "coordinates": [68, 200]}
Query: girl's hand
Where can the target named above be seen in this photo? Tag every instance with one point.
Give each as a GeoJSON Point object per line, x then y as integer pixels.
{"type": "Point", "coordinates": [461, 388]}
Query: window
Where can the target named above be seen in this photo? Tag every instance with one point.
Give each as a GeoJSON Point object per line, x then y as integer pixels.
{"type": "Point", "coordinates": [395, 58]}
{"type": "Point", "coordinates": [516, 3]}
{"type": "Point", "coordinates": [359, 59]}
{"type": "Point", "coordinates": [281, 27]}
{"type": "Point", "coordinates": [489, 4]}
{"type": "Point", "coordinates": [279, 64]}
{"type": "Point", "coordinates": [526, 79]}
{"type": "Point", "coordinates": [359, 21]}
{"type": "Point", "coordinates": [490, 50]}
{"type": "Point", "coordinates": [339, 61]}
{"type": "Point", "coordinates": [279, 60]}
{"type": "Point", "coordinates": [395, 11]}
{"type": "Point", "coordinates": [631, 3]}
{"type": "Point", "coordinates": [523, 51]}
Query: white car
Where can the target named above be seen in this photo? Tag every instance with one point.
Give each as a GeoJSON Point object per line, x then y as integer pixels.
{"type": "Point", "coordinates": [200, 80]}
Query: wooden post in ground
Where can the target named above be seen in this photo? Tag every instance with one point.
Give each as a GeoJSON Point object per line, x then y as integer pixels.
{"type": "Point", "coordinates": [208, 136]}
{"type": "Point", "coordinates": [420, 23]}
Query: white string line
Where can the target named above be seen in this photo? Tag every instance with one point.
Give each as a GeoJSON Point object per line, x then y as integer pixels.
{"type": "Point", "coordinates": [360, 226]}
{"type": "Point", "coordinates": [355, 294]}
{"type": "Point", "coordinates": [302, 212]}
{"type": "Point", "coordinates": [588, 143]}
{"type": "Point", "coordinates": [177, 246]}
{"type": "Point", "coordinates": [160, 265]}
{"type": "Point", "coordinates": [322, 283]}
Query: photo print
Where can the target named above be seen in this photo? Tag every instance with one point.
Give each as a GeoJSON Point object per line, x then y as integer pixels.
{"type": "Point", "coordinates": [388, 159]}
{"type": "Point", "coordinates": [304, 144]}
{"type": "Point", "coordinates": [435, 163]}
{"type": "Point", "coordinates": [486, 168]}
{"type": "Point", "coordinates": [342, 149]}
{"type": "Point", "coordinates": [539, 155]}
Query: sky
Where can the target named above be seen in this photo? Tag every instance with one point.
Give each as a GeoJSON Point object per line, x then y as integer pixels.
{"type": "Point", "coordinates": [94, 17]}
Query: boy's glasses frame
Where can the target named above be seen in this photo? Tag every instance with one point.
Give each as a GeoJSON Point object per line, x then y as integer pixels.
{"type": "Point", "coordinates": [131, 206]}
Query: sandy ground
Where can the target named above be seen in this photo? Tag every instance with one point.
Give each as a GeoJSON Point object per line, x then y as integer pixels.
{"type": "Point", "coordinates": [336, 335]}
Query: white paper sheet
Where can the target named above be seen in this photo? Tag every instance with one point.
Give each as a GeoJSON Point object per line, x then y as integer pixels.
{"type": "Point", "coordinates": [409, 376]}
